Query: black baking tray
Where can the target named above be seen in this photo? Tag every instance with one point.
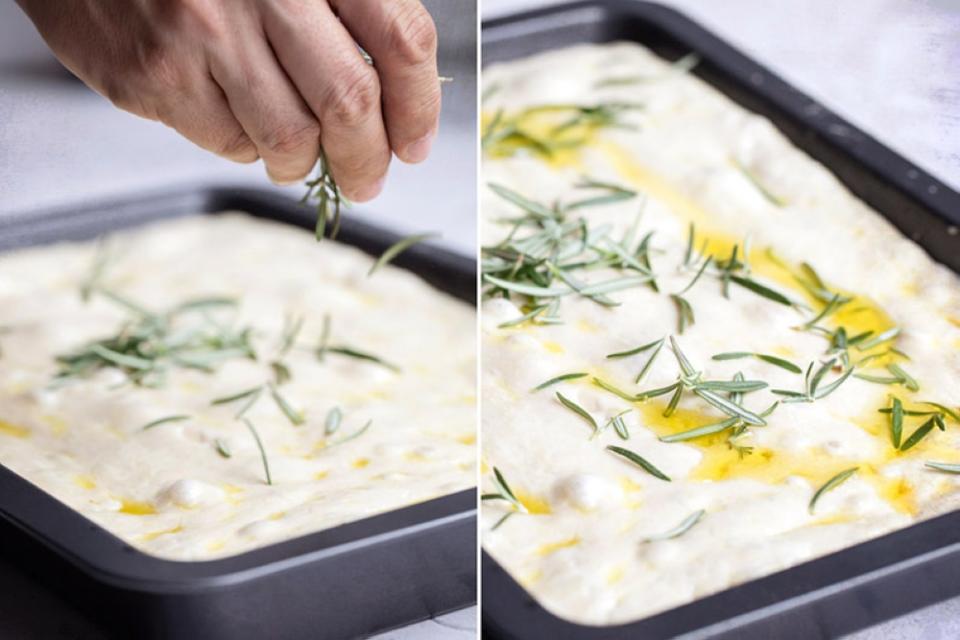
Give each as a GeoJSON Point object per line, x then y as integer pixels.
{"type": "Point", "coordinates": [349, 581]}
{"type": "Point", "coordinates": [835, 594]}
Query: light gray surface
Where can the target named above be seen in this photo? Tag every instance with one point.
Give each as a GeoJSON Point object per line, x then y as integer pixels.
{"type": "Point", "coordinates": [62, 144]}
{"type": "Point", "coordinates": [891, 67]}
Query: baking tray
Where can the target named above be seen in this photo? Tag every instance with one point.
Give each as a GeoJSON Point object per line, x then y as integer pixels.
{"type": "Point", "coordinates": [835, 594]}
{"type": "Point", "coordinates": [348, 581]}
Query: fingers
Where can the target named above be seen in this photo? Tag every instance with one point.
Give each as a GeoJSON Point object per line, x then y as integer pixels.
{"type": "Point", "coordinates": [340, 88]}
{"type": "Point", "coordinates": [266, 104]}
{"type": "Point", "coordinates": [402, 40]}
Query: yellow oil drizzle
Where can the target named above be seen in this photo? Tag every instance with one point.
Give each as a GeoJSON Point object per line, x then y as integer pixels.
{"type": "Point", "coordinates": [721, 462]}
{"type": "Point", "coordinates": [360, 463]}
{"type": "Point", "coordinates": [13, 430]}
{"type": "Point", "coordinates": [85, 481]}
{"type": "Point", "coordinates": [552, 547]}
{"type": "Point", "coordinates": [468, 439]}
{"type": "Point", "coordinates": [216, 545]}
{"type": "Point", "coordinates": [57, 424]}
{"type": "Point", "coordinates": [320, 475]}
{"type": "Point", "coordinates": [615, 575]}
{"type": "Point", "coordinates": [533, 504]}
{"type": "Point", "coordinates": [136, 508]}
{"type": "Point", "coordinates": [530, 578]}
{"type": "Point", "coordinates": [542, 124]}
{"type": "Point", "coordinates": [857, 316]}
{"type": "Point", "coordinates": [153, 535]}
{"type": "Point", "coordinates": [279, 515]}
{"type": "Point", "coordinates": [553, 347]}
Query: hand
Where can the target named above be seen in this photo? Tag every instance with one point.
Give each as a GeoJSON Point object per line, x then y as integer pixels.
{"type": "Point", "coordinates": [271, 79]}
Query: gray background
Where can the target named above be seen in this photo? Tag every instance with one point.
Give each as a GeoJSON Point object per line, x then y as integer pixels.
{"type": "Point", "coordinates": [891, 67]}
{"type": "Point", "coordinates": [61, 144]}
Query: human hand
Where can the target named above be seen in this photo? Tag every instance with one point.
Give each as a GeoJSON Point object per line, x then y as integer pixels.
{"type": "Point", "coordinates": [271, 79]}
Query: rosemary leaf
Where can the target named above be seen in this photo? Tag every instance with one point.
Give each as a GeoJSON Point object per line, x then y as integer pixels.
{"type": "Point", "coordinates": [639, 461]}
{"type": "Point", "coordinates": [263, 452]}
{"type": "Point", "coordinates": [829, 485]}
{"type": "Point", "coordinates": [919, 434]}
{"type": "Point", "coordinates": [685, 525]}
{"type": "Point", "coordinates": [573, 406]}
{"type": "Point", "coordinates": [943, 466]}
{"type": "Point", "coordinates": [399, 247]}
{"type": "Point", "coordinates": [295, 417]}
{"type": "Point", "coordinates": [362, 355]}
{"type": "Point", "coordinates": [222, 448]}
{"type": "Point", "coordinates": [699, 432]}
{"type": "Point", "coordinates": [332, 422]}
{"type": "Point", "coordinates": [896, 422]}
{"type": "Point", "coordinates": [160, 421]}
{"type": "Point", "coordinates": [558, 379]}
{"type": "Point", "coordinates": [761, 290]}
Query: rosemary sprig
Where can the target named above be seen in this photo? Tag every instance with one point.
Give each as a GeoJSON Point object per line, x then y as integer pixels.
{"type": "Point", "coordinates": [830, 485]}
{"type": "Point", "coordinates": [149, 343]}
{"type": "Point", "coordinates": [323, 188]}
{"type": "Point", "coordinates": [640, 461]}
{"type": "Point", "coordinates": [399, 247]}
{"type": "Point", "coordinates": [685, 525]}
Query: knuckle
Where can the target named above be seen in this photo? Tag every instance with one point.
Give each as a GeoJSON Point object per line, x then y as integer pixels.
{"type": "Point", "coordinates": [353, 100]}
{"type": "Point", "coordinates": [236, 146]}
{"type": "Point", "coordinates": [160, 66]}
{"type": "Point", "coordinates": [412, 35]}
{"type": "Point", "coordinates": [205, 17]}
{"type": "Point", "coordinates": [291, 139]}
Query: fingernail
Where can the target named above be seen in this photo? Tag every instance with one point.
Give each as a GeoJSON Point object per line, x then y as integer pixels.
{"type": "Point", "coordinates": [419, 150]}
{"type": "Point", "coordinates": [371, 191]}
{"type": "Point", "coordinates": [281, 182]}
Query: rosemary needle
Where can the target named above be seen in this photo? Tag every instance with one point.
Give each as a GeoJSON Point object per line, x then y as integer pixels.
{"type": "Point", "coordinates": [943, 466]}
{"type": "Point", "coordinates": [685, 525]}
{"type": "Point", "coordinates": [295, 417]}
{"type": "Point", "coordinates": [263, 452]}
{"type": "Point", "coordinates": [829, 485]}
{"type": "Point", "coordinates": [558, 379]}
{"type": "Point", "coordinates": [580, 411]}
{"type": "Point", "coordinates": [222, 448]}
{"type": "Point", "coordinates": [399, 247]}
{"type": "Point", "coordinates": [160, 421]}
{"type": "Point", "coordinates": [332, 422]}
{"type": "Point", "coordinates": [639, 461]}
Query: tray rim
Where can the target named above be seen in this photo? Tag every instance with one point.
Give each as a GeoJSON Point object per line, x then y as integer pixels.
{"type": "Point", "coordinates": [911, 180]}
{"type": "Point", "coordinates": [110, 560]}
